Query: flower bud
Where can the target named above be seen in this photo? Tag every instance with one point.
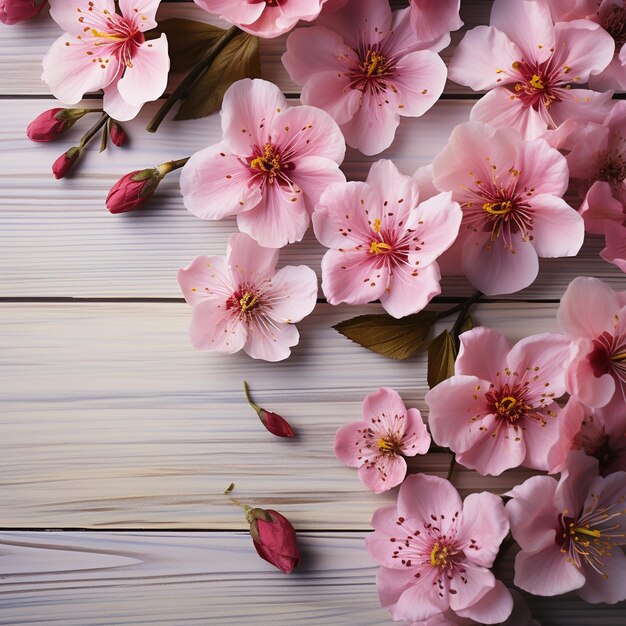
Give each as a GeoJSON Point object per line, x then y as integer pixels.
{"type": "Point", "coordinates": [274, 538]}
{"type": "Point", "coordinates": [64, 163]}
{"type": "Point", "coordinates": [273, 422]}
{"type": "Point", "coordinates": [14, 11]}
{"type": "Point", "coordinates": [51, 123]}
{"type": "Point", "coordinates": [133, 189]}
{"type": "Point", "coordinates": [117, 133]}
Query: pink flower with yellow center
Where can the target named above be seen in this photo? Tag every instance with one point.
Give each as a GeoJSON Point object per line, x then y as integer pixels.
{"type": "Point", "coordinates": [530, 68]}
{"type": "Point", "coordinates": [103, 49]}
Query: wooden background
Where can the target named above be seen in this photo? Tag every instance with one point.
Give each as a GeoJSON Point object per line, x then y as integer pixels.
{"type": "Point", "coordinates": [115, 433]}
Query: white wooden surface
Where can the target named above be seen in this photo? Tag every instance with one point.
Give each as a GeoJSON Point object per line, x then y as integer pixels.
{"type": "Point", "coordinates": [110, 421]}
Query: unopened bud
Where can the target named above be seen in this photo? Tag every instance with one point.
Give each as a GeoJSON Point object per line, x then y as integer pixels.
{"type": "Point", "coordinates": [274, 538]}
{"type": "Point", "coordinates": [64, 163]}
{"type": "Point", "coordinates": [116, 133]}
{"type": "Point", "coordinates": [14, 11]}
{"type": "Point", "coordinates": [133, 189]}
{"type": "Point", "coordinates": [51, 123]}
{"type": "Point", "coordinates": [273, 422]}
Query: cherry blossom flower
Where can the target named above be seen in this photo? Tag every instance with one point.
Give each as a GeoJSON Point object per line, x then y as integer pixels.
{"type": "Point", "coordinates": [264, 18]}
{"type": "Point", "coordinates": [377, 443]}
{"type": "Point", "coordinates": [102, 49]}
{"type": "Point", "coordinates": [364, 66]}
{"type": "Point", "coordinates": [436, 550]}
{"type": "Point", "coordinates": [14, 11]}
{"type": "Point", "coordinates": [611, 15]}
{"type": "Point", "coordinates": [530, 67]}
{"type": "Point", "coordinates": [570, 532]}
{"type": "Point", "coordinates": [498, 411]}
{"type": "Point", "coordinates": [383, 246]}
{"type": "Point", "coordinates": [271, 167]}
{"type": "Point", "coordinates": [594, 317]}
{"type": "Point", "coordinates": [241, 302]}
{"type": "Point", "coordinates": [432, 22]}
{"type": "Point", "coordinates": [510, 191]}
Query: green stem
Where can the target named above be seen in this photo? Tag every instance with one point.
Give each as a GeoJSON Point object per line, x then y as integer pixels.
{"type": "Point", "coordinates": [93, 131]}
{"type": "Point", "coordinates": [251, 402]}
{"type": "Point", "coordinates": [195, 73]}
{"type": "Point", "coordinates": [170, 166]}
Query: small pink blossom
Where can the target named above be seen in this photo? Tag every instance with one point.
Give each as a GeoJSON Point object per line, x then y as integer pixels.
{"type": "Point", "coordinates": [364, 65]}
{"type": "Point", "coordinates": [264, 18]}
{"type": "Point", "coordinates": [433, 21]}
{"type": "Point", "coordinates": [498, 411]}
{"type": "Point", "coordinates": [436, 551]}
{"type": "Point", "coordinates": [594, 318]}
{"type": "Point", "coordinates": [241, 302]}
{"type": "Point", "coordinates": [102, 49]}
{"type": "Point", "coordinates": [384, 242]}
{"type": "Point", "coordinates": [14, 11]}
{"type": "Point", "coordinates": [378, 443]}
{"type": "Point", "coordinates": [530, 65]}
{"type": "Point", "coordinates": [570, 532]}
{"type": "Point", "coordinates": [510, 191]}
{"type": "Point", "coordinates": [271, 167]}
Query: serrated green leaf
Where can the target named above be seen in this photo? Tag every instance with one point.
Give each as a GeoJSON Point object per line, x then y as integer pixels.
{"type": "Point", "coordinates": [187, 41]}
{"type": "Point", "coordinates": [394, 338]}
{"type": "Point", "coordinates": [441, 357]}
{"type": "Point", "coordinates": [239, 59]}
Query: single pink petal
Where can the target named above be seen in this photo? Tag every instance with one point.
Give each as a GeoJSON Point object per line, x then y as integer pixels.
{"type": "Point", "coordinates": [581, 380]}
{"type": "Point", "coordinates": [482, 353]}
{"type": "Point", "coordinates": [347, 443]}
{"type": "Point", "coordinates": [391, 584]}
{"type": "Point", "coordinates": [237, 12]}
{"type": "Point", "coordinates": [215, 328]}
{"type": "Point", "coordinates": [613, 77]}
{"type": "Point", "coordinates": [484, 526]}
{"type": "Point", "coordinates": [431, 22]}
{"type": "Point", "coordinates": [67, 14]}
{"type": "Point", "coordinates": [293, 293]}
{"type": "Point", "coordinates": [314, 175]}
{"type": "Point", "coordinates": [420, 602]}
{"type": "Point", "coordinates": [453, 404]}
{"type": "Point", "coordinates": [410, 289]}
{"type": "Point", "coordinates": [542, 438]}
{"type": "Point", "coordinates": [249, 263]}
{"type": "Point", "coordinates": [472, 67]}
{"type": "Point", "coordinates": [586, 143]}
{"type": "Point", "coordinates": [142, 12]}
{"type": "Point", "coordinates": [600, 210]}
{"type": "Point", "coordinates": [145, 80]}
{"type": "Point", "coordinates": [476, 582]}
{"type": "Point", "coordinates": [558, 229]}
{"type": "Point", "coordinates": [615, 251]}
{"type": "Point", "coordinates": [542, 167]}
{"type": "Point", "coordinates": [587, 308]}
{"type": "Point", "coordinates": [270, 342]}
{"type": "Point", "coordinates": [532, 526]}
{"type": "Point", "coordinates": [495, 269]}
{"type": "Point", "coordinates": [116, 106]}
{"type": "Point", "coordinates": [279, 218]}
{"type": "Point", "coordinates": [332, 92]}
{"type": "Point", "coordinates": [385, 404]}
{"type": "Point", "coordinates": [565, 10]}
{"type": "Point", "coordinates": [494, 607]}
{"type": "Point", "coordinates": [587, 105]}
{"type": "Point", "coordinates": [610, 587]}
{"type": "Point", "coordinates": [205, 277]}
{"type": "Point", "coordinates": [384, 521]}
{"type": "Point", "coordinates": [215, 183]}
{"type": "Point", "coordinates": [547, 572]}
{"type": "Point", "coordinates": [420, 442]}
{"type": "Point", "coordinates": [398, 193]}
{"type": "Point", "coordinates": [385, 473]}
{"type": "Point", "coordinates": [576, 481]}
{"type": "Point", "coordinates": [424, 177]}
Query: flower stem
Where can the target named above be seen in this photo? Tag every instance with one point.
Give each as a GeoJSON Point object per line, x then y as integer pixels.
{"type": "Point", "coordinates": [251, 402]}
{"type": "Point", "coordinates": [93, 131]}
{"type": "Point", "coordinates": [170, 166]}
{"type": "Point", "coordinates": [462, 317]}
{"type": "Point", "coordinates": [194, 74]}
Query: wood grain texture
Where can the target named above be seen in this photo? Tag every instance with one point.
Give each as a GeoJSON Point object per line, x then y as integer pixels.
{"type": "Point", "coordinates": [115, 421]}
{"type": "Point", "coordinates": [58, 239]}
{"type": "Point", "coordinates": [84, 579]}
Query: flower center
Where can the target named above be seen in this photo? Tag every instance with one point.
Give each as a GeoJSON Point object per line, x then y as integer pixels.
{"type": "Point", "coordinates": [609, 357]}
{"type": "Point", "coordinates": [374, 63]}
{"type": "Point", "coordinates": [380, 247]}
{"type": "Point", "coordinates": [439, 556]}
{"type": "Point", "coordinates": [508, 403]}
{"type": "Point", "coordinates": [268, 161]}
{"type": "Point", "coordinates": [503, 207]}
{"type": "Point", "coordinates": [371, 71]}
{"type": "Point", "coordinates": [388, 446]}
{"type": "Point", "coordinates": [536, 83]}
{"type": "Point", "coordinates": [248, 301]}
{"type": "Point", "coordinates": [245, 302]}
{"type": "Point", "coordinates": [611, 168]}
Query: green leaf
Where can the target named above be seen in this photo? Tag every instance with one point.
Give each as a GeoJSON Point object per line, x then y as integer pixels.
{"type": "Point", "coordinates": [441, 357]}
{"type": "Point", "coordinates": [386, 335]}
{"type": "Point", "coordinates": [239, 59]}
{"type": "Point", "coordinates": [468, 324]}
{"type": "Point", "coordinates": [187, 41]}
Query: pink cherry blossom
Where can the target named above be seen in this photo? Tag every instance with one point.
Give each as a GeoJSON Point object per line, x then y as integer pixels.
{"type": "Point", "coordinates": [530, 65]}
{"type": "Point", "coordinates": [364, 65]}
{"type": "Point", "coordinates": [433, 21]}
{"type": "Point", "coordinates": [264, 18]}
{"type": "Point", "coordinates": [102, 49]}
{"type": "Point", "coordinates": [384, 242]}
{"type": "Point", "coordinates": [436, 551]}
{"type": "Point", "coordinates": [510, 192]}
{"type": "Point", "coordinates": [378, 443]}
{"type": "Point", "coordinates": [611, 15]}
{"type": "Point", "coordinates": [594, 317]}
{"type": "Point", "coordinates": [570, 532]}
{"type": "Point", "coordinates": [271, 167]}
{"type": "Point", "coordinates": [498, 411]}
{"type": "Point", "coordinates": [241, 302]}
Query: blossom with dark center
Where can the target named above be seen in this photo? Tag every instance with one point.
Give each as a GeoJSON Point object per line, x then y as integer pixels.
{"type": "Point", "coordinates": [594, 317]}
{"type": "Point", "coordinates": [534, 68]}
{"type": "Point", "coordinates": [365, 66]}
{"type": "Point", "coordinates": [435, 551]}
{"type": "Point", "coordinates": [571, 532]}
{"type": "Point", "coordinates": [102, 49]}
{"type": "Point", "coordinates": [383, 241]}
{"type": "Point", "coordinates": [510, 192]}
{"type": "Point", "coordinates": [498, 411]}
{"type": "Point", "coordinates": [270, 168]}
{"type": "Point", "coordinates": [241, 302]}
{"type": "Point", "coordinates": [377, 444]}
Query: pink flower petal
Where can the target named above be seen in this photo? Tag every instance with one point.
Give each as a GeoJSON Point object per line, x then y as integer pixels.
{"type": "Point", "coordinates": [581, 380]}
{"type": "Point", "coordinates": [615, 251]}
{"type": "Point", "coordinates": [142, 12]}
{"type": "Point", "coordinates": [347, 443]}
{"type": "Point", "coordinates": [293, 293]}
{"type": "Point", "coordinates": [214, 328]}
{"type": "Point", "coordinates": [419, 602]}
{"type": "Point", "coordinates": [116, 106]}
{"type": "Point", "coordinates": [269, 342]}
{"type": "Point", "coordinates": [600, 210]}
{"type": "Point", "coordinates": [391, 584]}
{"type": "Point", "coordinates": [482, 353]}
{"type": "Point", "coordinates": [384, 404]}
{"type": "Point", "coordinates": [584, 104]}
{"type": "Point", "coordinates": [314, 175]}
{"type": "Point", "coordinates": [420, 443]}
{"type": "Point", "coordinates": [477, 582]}
{"type": "Point", "coordinates": [399, 193]}
{"type": "Point", "coordinates": [611, 587]}
{"type": "Point", "coordinates": [494, 607]}
{"type": "Point", "coordinates": [67, 14]}
{"type": "Point", "coordinates": [542, 438]}
{"type": "Point", "coordinates": [206, 277]}
{"type": "Point", "coordinates": [386, 473]}
{"type": "Point", "coordinates": [410, 289]}
{"type": "Point", "coordinates": [542, 168]}
{"type": "Point", "coordinates": [248, 262]}
{"type": "Point", "coordinates": [431, 22]}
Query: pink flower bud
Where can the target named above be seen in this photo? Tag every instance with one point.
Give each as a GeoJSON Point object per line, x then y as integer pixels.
{"type": "Point", "coordinates": [14, 11]}
{"type": "Point", "coordinates": [133, 189]}
{"type": "Point", "coordinates": [274, 538]}
{"type": "Point", "coordinates": [64, 163]}
{"type": "Point", "coordinates": [274, 423]}
{"type": "Point", "coordinates": [117, 133]}
{"type": "Point", "coordinates": [48, 125]}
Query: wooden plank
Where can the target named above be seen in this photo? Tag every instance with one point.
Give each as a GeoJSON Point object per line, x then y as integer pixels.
{"type": "Point", "coordinates": [198, 578]}
{"type": "Point", "coordinates": [24, 46]}
{"type": "Point", "coordinates": [59, 240]}
{"type": "Point", "coordinates": [111, 419]}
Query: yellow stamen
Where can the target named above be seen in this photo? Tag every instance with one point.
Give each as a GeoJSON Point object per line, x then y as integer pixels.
{"type": "Point", "coordinates": [498, 208]}
{"type": "Point", "coordinates": [380, 247]}
{"type": "Point", "coordinates": [374, 62]}
{"type": "Point", "coordinates": [618, 357]}
{"type": "Point", "coordinates": [439, 556]}
{"type": "Point", "coordinates": [376, 225]}
{"type": "Point", "coordinates": [585, 531]}
{"type": "Point", "coordinates": [248, 301]}
{"type": "Point", "coordinates": [386, 446]}
{"type": "Point", "coordinates": [114, 36]}
{"type": "Point", "coordinates": [507, 404]}
{"type": "Point", "coordinates": [536, 82]}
